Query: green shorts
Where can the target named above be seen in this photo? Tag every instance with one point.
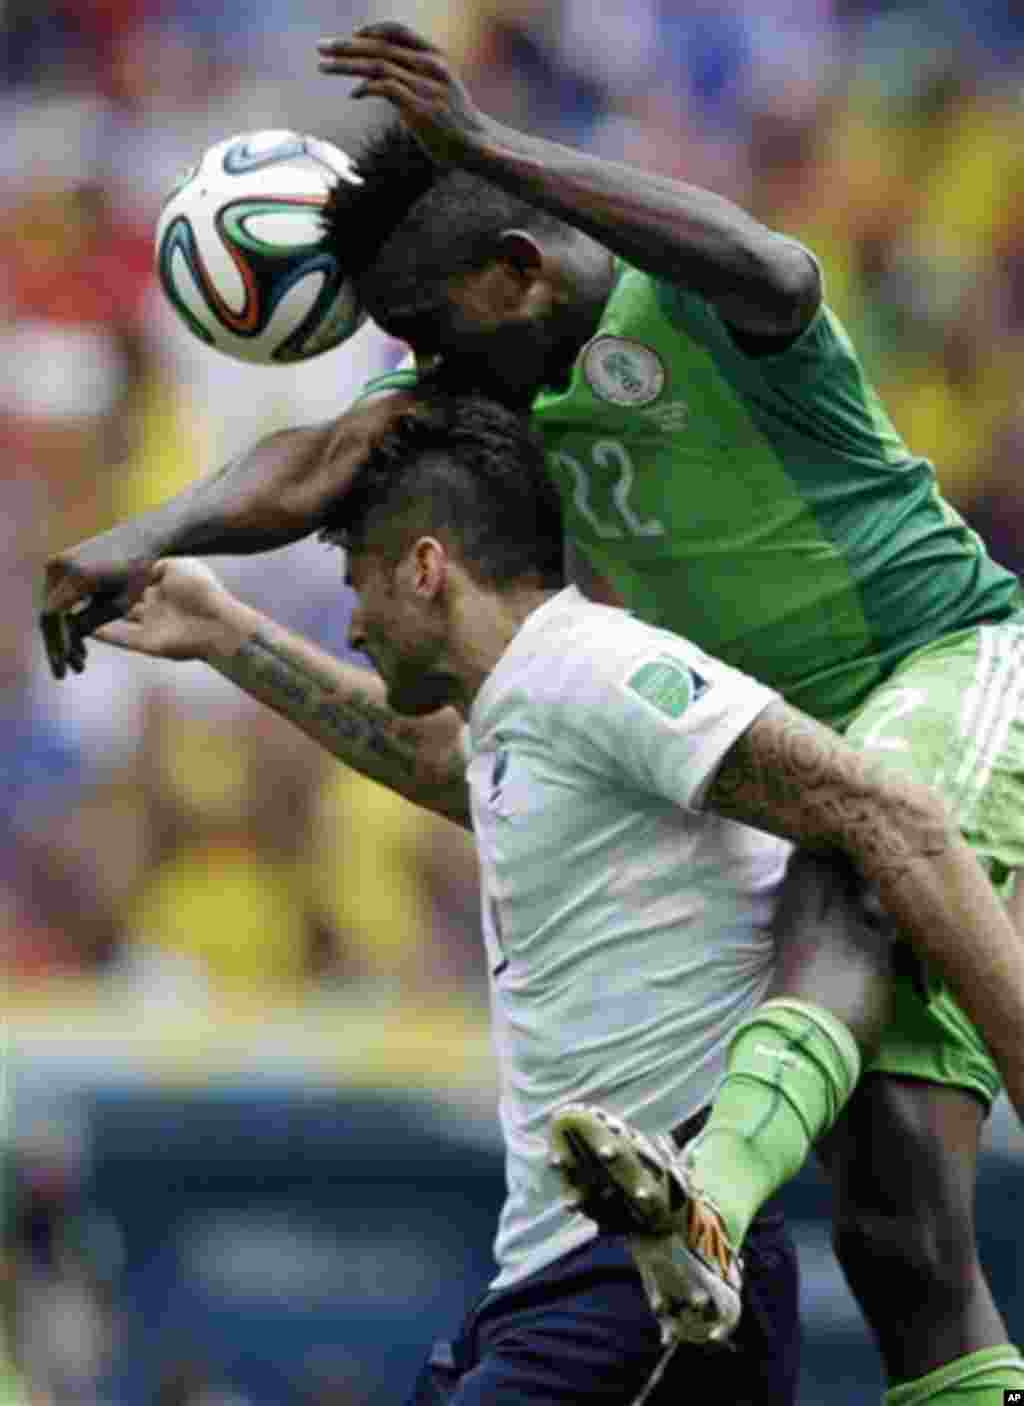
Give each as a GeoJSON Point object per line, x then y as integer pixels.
{"type": "Point", "coordinates": [952, 715]}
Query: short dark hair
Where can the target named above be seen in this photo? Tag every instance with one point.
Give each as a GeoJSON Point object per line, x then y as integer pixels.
{"type": "Point", "coordinates": [466, 470]}
{"type": "Point", "coordinates": [395, 171]}
{"type": "Point", "coordinates": [413, 225]}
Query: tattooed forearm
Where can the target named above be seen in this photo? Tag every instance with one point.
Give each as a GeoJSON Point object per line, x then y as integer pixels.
{"type": "Point", "coordinates": [264, 668]}
{"type": "Point", "coordinates": [793, 776]}
{"type": "Point", "coordinates": [414, 758]}
{"type": "Point", "coordinates": [359, 725]}
{"type": "Point", "coordinates": [796, 778]}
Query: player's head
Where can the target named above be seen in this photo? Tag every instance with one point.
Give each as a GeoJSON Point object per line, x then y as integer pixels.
{"type": "Point", "coordinates": [394, 172]}
{"type": "Point", "coordinates": [504, 292]}
{"type": "Point", "coordinates": [451, 505]}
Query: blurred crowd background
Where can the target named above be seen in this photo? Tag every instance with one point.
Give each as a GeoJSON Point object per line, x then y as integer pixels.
{"type": "Point", "coordinates": [193, 896]}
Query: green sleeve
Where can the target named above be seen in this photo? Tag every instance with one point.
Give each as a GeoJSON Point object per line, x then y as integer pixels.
{"type": "Point", "coordinates": [402, 378]}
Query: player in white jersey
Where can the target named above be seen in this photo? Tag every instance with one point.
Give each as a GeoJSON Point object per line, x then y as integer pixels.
{"type": "Point", "coordinates": [626, 931]}
{"type": "Point", "coordinates": [629, 920]}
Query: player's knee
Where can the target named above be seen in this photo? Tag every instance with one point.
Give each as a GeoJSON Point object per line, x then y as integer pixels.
{"type": "Point", "coordinates": [912, 1257]}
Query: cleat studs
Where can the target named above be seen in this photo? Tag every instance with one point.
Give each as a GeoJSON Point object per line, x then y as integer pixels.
{"type": "Point", "coordinates": [642, 1195]}
{"type": "Point", "coordinates": [607, 1152]}
{"type": "Point", "coordinates": [556, 1161]}
{"type": "Point", "coordinates": [572, 1202]}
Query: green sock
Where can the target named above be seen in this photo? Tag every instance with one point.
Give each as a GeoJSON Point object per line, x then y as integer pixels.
{"type": "Point", "coordinates": [12, 1390]}
{"type": "Point", "coordinates": [790, 1069]}
{"type": "Point", "coordinates": [979, 1379]}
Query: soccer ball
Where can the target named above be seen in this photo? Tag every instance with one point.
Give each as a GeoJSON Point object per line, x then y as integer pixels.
{"type": "Point", "coordinates": [241, 254]}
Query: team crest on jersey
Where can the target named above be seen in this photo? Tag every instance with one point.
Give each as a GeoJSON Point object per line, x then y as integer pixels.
{"type": "Point", "coordinates": [667, 684]}
{"type": "Point", "coordinates": [622, 371]}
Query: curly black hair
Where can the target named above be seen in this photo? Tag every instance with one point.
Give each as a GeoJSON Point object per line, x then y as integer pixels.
{"type": "Point", "coordinates": [466, 470]}
{"type": "Point", "coordinates": [412, 225]}
{"type": "Point", "coordinates": [395, 171]}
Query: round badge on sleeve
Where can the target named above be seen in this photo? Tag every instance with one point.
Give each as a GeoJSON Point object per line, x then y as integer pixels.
{"type": "Point", "coordinates": [622, 371]}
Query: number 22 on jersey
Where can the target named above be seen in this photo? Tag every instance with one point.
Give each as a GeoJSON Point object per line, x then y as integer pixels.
{"type": "Point", "coordinates": [601, 498]}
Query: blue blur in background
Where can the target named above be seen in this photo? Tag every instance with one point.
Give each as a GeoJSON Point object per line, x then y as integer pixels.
{"type": "Point", "coordinates": [295, 1242]}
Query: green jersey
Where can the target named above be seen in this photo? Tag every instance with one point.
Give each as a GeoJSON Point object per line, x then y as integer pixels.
{"type": "Point", "coordinates": [764, 507]}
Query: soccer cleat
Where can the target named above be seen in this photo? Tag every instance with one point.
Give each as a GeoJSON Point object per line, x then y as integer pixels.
{"type": "Point", "coordinates": [637, 1186]}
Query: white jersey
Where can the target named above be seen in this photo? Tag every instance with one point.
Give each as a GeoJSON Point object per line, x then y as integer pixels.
{"type": "Point", "coordinates": [627, 932]}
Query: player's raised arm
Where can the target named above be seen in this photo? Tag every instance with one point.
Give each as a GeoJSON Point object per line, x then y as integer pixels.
{"type": "Point", "coordinates": [273, 493]}
{"type": "Point", "coordinates": [762, 283]}
{"type": "Point", "coordinates": [790, 775]}
{"type": "Point", "coordinates": [184, 613]}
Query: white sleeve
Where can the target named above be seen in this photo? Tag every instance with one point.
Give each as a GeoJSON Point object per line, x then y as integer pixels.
{"type": "Point", "coordinates": [662, 716]}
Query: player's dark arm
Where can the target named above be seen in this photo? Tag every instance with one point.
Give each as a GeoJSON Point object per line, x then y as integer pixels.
{"type": "Point", "coordinates": [274, 493]}
{"type": "Point", "coordinates": [762, 282]}
{"type": "Point", "coordinates": [794, 777]}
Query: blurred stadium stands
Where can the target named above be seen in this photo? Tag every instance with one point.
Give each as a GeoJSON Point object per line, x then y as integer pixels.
{"type": "Point", "coordinates": [205, 987]}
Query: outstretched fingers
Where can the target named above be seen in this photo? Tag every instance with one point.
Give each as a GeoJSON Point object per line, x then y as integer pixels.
{"type": "Point", "coordinates": [64, 631]}
{"type": "Point", "coordinates": [396, 33]}
{"type": "Point", "coordinates": [388, 32]}
{"type": "Point", "coordinates": [383, 80]}
{"type": "Point", "coordinates": [53, 625]}
{"type": "Point", "coordinates": [358, 57]}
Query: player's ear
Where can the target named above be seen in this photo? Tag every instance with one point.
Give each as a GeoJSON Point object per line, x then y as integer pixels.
{"type": "Point", "coordinates": [427, 567]}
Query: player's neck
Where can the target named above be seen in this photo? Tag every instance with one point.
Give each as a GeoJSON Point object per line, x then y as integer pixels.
{"type": "Point", "coordinates": [484, 624]}
{"type": "Point", "coordinates": [586, 282]}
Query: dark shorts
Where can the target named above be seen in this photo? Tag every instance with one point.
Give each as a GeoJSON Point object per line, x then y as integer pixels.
{"type": "Point", "coordinates": [581, 1330]}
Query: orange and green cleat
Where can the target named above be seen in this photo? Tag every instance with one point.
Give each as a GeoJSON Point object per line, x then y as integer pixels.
{"type": "Point", "coordinates": [638, 1186]}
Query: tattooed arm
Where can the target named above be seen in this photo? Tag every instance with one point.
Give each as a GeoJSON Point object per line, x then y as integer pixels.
{"type": "Point", "coordinates": [790, 775]}
{"type": "Point", "coordinates": [344, 709]}
{"type": "Point", "coordinates": [185, 613]}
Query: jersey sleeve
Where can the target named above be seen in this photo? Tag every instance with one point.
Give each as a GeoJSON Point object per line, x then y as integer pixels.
{"type": "Point", "coordinates": [822, 348]}
{"type": "Point", "coordinates": [402, 378]}
{"type": "Point", "coordinates": [693, 314]}
{"type": "Point", "coordinates": [811, 398]}
{"type": "Point", "coordinates": [662, 716]}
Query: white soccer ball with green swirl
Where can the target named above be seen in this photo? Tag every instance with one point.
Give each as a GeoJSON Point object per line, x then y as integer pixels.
{"type": "Point", "coordinates": [241, 253]}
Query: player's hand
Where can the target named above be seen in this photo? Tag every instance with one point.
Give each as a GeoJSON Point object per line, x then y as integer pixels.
{"type": "Point", "coordinates": [179, 615]}
{"type": "Point", "coordinates": [395, 63]}
{"type": "Point", "coordinates": [82, 589]}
